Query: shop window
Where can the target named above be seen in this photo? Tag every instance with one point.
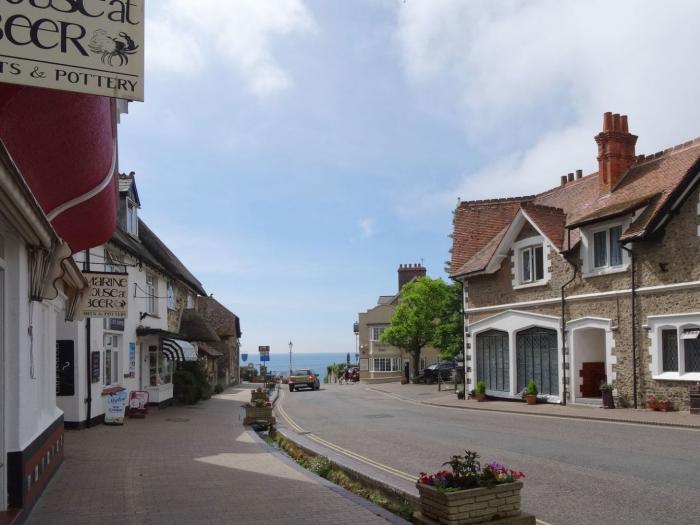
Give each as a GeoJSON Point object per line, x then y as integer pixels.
{"type": "Point", "coordinates": [160, 369]}
{"type": "Point", "coordinates": [385, 364]}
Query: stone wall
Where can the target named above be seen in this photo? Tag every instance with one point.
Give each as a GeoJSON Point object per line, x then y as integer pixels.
{"type": "Point", "coordinates": [671, 258]}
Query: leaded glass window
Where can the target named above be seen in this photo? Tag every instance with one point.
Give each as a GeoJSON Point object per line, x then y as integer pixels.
{"type": "Point", "coordinates": [669, 349]}
{"type": "Point", "coordinates": [692, 355]}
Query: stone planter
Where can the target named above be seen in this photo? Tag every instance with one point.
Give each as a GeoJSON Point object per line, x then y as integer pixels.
{"type": "Point", "coordinates": [500, 503]}
{"type": "Point", "coordinates": [254, 396]}
{"type": "Point", "coordinates": [253, 414]}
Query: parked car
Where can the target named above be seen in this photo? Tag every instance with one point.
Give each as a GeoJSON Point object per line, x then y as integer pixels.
{"type": "Point", "coordinates": [442, 370]}
{"type": "Point", "coordinates": [303, 377]}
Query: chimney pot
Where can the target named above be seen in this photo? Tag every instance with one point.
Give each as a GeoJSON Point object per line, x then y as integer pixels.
{"type": "Point", "coordinates": [623, 124]}
{"type": "Point", "coordinates": [607, 121]}
{"type": "Point", "coordinates": [570, 177]}
{"type": "Point", "coordinates": [616, 122]}
{"type": "Point", "coordinates": [563, 180]}
{"type": "Point", "coordinates": [579, 174]}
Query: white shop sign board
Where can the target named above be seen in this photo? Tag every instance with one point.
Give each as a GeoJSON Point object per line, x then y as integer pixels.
{"type": "Point", "coordinates": [85, 46]}
{"type": "Point", "coordinates": [116, 407]}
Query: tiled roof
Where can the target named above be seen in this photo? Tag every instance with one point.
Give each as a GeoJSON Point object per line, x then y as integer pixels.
{"type": "Point", "coordinates": [476, 223]}
{"type": "Point", "coordinates": [651, 181]}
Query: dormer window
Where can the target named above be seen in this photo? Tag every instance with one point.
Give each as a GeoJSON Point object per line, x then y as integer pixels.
{"type": "Point", "coordinates": [607, 250]}
{"type": "Point", "coordinates": [132, 218]}
{"type": "Point", "coordinates": [531, 264]}
{"type": "Point", "coordinates": [602, 251]}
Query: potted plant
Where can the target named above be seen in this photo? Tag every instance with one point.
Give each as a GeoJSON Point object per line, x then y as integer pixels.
{"type": "Point", "coordinates": [460, 393]}
{"type": "Point", "coordinates": [469, 493]}
{"type": "Point", "coordinates": [606, 390]}
{"type": "Point", "coordinates": [531, 393]}
{"type": "Point", "coordinates": [480, 391]}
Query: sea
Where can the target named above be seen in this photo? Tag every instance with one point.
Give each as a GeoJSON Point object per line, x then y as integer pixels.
{"type": "Point", "coordinates": [279, 363]}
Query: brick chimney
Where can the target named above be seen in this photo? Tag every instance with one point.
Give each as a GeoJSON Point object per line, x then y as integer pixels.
{"type": "Point", "coordinates": [407, 272]}
{"type": "Point", "coordinates": [615, 151]}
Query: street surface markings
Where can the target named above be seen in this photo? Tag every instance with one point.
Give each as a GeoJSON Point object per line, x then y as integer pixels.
{"type": "Point", "coordinates": [386, 468]}
{"type": "Point", "coordinates": [546, 416]}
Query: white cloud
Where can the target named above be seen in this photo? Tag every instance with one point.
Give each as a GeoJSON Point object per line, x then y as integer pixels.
{"type": "Point", "coordinates": [531, 80]}
{"type": "Point", "coordinates": [186, 36]}
{"type": "Point", "coordinates": [367, 227]}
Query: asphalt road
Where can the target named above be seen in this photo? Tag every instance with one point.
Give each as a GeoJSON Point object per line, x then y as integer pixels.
{"type": "Point", "coordinates": [578, 472]}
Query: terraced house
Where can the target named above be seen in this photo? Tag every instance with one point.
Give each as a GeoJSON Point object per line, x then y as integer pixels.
{"type": "Point", "coordinates": [595, 280]}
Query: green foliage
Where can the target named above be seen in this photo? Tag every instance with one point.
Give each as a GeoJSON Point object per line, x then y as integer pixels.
{"type": "Point", "coordinates": [465, 469]}
{"type": "Point", "coordinates": [531, 388]}
{"type": "Point", "coordinates": [247, 373]}
{"type": "Point", "coordinates": [480, 387]}
{"type": "Point", "coordinates": [449, 332]}
{"type": "Point", "coordinates": [428, 313]}
{"type": "Point", "coordinates": [320, 465]}
{"type": "Point", "coordinates": [218, 388]}
{"type": "Point", "coordinates": [190, 383]}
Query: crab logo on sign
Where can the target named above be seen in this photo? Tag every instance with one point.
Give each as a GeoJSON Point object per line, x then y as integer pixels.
{"type": "Point", "coordinates": [113, 48]}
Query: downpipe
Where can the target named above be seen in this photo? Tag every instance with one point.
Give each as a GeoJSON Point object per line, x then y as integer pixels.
{"type": "Point", "coordinates": [630, 251]}
{"type": "Point", "coordinates": [563, 327]}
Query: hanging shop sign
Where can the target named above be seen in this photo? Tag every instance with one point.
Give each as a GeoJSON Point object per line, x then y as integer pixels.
{"type": "Point", "coordinates": [87, 46]}
{"type": "Point", "coordinates": [108, 294]}
{"type": "Point", "coordinates": [264, 353]}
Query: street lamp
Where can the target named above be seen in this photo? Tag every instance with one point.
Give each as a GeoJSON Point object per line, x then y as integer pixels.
{"type": "Point", "coordinates": [290, 357]}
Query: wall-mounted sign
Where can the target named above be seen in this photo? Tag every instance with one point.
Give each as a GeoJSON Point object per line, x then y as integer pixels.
{"type": "Point", "coordinates": [264, 353]}
{"type": "Point", "coordinates": [65, 368]}
{"type": "Point", "coordinates": [116, 324]}
{"type": "Point", "coordinates": [88, 46]}
{"type": "Point", "coordinates": [95, 367]}
{"type": "Point", "coordinates": [108, 294]}
{"type": "Point", "coordinates": [132, 359]}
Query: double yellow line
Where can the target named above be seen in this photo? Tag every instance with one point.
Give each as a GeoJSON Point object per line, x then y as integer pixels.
{"type": "Point", "coordinates": [367, 461]}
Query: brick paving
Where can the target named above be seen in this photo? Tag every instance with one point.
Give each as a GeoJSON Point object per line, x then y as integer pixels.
{"type": "Point", "coordinates": [429, 394]}
{"type": "Point", "coordinates": [188, 465]}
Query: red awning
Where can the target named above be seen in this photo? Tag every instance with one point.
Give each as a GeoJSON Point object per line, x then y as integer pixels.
{"type": "Point", "coordinates": [64, 145]}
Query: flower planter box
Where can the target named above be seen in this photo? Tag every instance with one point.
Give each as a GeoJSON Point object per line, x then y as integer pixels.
{"type": "Point", "coordinates": [254, 396]}
{"type": "Point", "coordinates": [253, 414]}
{"type": "Point", "coordinates": [478, 505]}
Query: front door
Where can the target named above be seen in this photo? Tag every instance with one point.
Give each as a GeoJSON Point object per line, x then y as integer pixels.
{"type": "Point", "coordinates": [493, 360]}
{"type": "Point", "coordinates": [592, 376]}
{"type": "Point", "coordinates": [537, 359]}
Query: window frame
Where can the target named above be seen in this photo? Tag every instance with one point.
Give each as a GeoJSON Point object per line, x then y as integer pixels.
{"type": "Point", "coordinates": [372, 329]}
{"type": "Point", "coordinates": [151, 294]}
{"type": "Point", "coordinates": [527, 249]}
{"type": "Point", "coordinates": [386, 364]}
{"type": "Point", "coordinates": [588, 251]}
{"type": "Point", "coordinates": [678, 323]}
{"type": "Point", "coordinates": [132, 217]}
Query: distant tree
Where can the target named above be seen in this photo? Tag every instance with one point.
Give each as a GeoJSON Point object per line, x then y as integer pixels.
{"type": "Point", "coordinates": [424, 306]}
{"type": "Point", "coordinates": [449, 332]}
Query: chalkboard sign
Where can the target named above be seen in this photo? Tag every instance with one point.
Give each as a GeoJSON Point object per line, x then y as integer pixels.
{"type": "Point", "coordinates": [65, 368]}
{"type": "Point", "coordinates": [95, 367]}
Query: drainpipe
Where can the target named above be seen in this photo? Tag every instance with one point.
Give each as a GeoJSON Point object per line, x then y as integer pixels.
{"type": "Point", "coordinates": [88, 364]}
{"type": "Point", "coordinates": [634, 323]}
{"type": "Point", "coordinates": [563, 323]}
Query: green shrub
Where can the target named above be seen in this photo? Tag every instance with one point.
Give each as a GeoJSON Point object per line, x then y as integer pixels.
{"type": "Point", "coordinates": [531, 388]}
{"type": "Point", "coordinates": [480, 387]}
{"type": "Point", "coordinates": [190, 383]}
{"type": "Point", "coordinates": [218, 388]}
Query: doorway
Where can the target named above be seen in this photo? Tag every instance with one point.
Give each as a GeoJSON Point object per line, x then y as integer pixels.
{"type": "Point", "coordinates": [589, 362]}
{"type": "Point", "coordinates": [538, 359]}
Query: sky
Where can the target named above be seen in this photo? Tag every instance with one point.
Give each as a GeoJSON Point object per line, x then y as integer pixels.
{"type": "Point", "coordinates": [292, 153]}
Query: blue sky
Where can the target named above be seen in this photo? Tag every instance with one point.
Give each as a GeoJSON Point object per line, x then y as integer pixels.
{"type": "Point", "coordinates": [293, 153]}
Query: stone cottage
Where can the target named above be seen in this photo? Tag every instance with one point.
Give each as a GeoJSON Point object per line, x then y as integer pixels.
{"type": "Point", "coordinates": [595, 280]}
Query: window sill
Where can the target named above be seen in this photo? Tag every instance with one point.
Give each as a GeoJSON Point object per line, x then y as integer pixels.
{"type": "Point", "coordinates": [675, 376]}
{"type": "Point", "coordinates": [530, 285]}
{"type": "Point", "coordinates": [606, 271]}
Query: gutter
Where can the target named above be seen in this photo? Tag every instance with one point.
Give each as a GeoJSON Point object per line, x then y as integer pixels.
{"type": "Point", "coordinates": [634, 323]}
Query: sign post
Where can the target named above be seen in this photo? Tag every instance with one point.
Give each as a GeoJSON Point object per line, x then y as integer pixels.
{"type": "Point", "coordinates": [86, 46]}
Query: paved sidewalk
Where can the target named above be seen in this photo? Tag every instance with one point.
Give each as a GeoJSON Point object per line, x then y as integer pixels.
{"type": "Point", "coordinates": [189, 465]}
{"type": "Point", "coordinates": [429, 395]}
